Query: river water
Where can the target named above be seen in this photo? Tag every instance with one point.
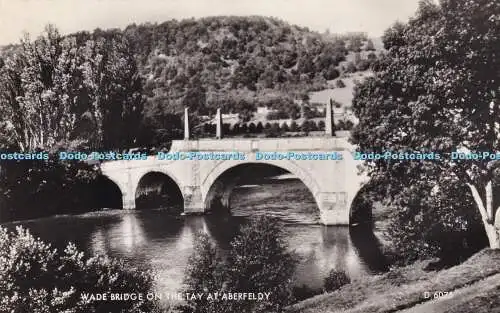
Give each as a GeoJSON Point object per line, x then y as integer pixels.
{"type": "Point", "coordinates": [153, 239]}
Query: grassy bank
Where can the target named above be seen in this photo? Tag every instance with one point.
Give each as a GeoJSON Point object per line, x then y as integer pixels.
{"type": "Point", "coordinates": [404, 287]}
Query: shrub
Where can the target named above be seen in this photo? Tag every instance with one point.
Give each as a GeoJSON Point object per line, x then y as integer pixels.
{"type": "Point", "coordinates": [335, 280]}
{"type": "Point", "coordinates": [362, 65]}
{"type": "Point", "coordinates": [331, 73]}
{"type": "Point", "coordinates": [258, 261]}
{"type": "Point", "coordinates": [350, 67]}
{"type": "Point", "coordinates": [36, 278]}
{"type": "Point", "coordinates": [58, 186]}
{"type": "Point", "coordinates": [340, 83]}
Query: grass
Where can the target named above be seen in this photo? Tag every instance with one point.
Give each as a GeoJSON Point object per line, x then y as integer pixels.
{"type": "Point", "coordinates": [481, 297]}
{"type": "Point", "coordinates": [487, 302]}
{"type": "Point", "coordinates": [403, 287]}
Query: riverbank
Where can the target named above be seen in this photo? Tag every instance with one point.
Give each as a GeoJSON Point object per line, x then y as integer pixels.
{"type": "Point", "coordinates": [473, 284]}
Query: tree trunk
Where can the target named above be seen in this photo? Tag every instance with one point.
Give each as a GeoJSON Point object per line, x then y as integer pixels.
{"type": "Point", "coordinates": [493, 234]}
{"type": "Point", "coordinates": [488, 214]}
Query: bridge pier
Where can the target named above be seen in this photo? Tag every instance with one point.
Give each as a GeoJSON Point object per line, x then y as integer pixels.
{"type": "Point", "coordinates": [128, 202]}
{"type": "Point", "coordinates": [333, 207]}
{"type": "Point", "coordinates": [193, 203]}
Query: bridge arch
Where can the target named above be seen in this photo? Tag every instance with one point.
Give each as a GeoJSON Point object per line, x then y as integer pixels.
{"type": "Point", "coordinates": [107, 193]}
{"type": "Point", "coordinates": [209, 188]}
{"type": "Point", "coordinates": [155, 188]}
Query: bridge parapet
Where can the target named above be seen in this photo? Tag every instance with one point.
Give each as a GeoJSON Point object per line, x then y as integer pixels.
{"type": "Point", "coordinates": [264, 144]}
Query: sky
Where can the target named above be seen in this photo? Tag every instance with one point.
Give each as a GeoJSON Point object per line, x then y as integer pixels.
{"type": "Point", "coordinates": [371, 16]}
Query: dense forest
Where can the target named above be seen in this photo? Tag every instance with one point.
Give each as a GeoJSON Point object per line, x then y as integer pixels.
{"type": "Point", "coordinates": [126, 88]}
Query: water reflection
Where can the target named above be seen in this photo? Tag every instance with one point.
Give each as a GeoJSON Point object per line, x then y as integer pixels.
{"type": "Point", "coordinates": [156, 240]}
{"type": "Point", "coordinates": [368, 249]}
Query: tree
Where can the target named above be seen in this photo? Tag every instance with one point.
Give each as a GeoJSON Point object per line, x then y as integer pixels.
{"type": "Point", "coordinates": [306, 126]}
{"type": "Point", "coordinates": [331, 72]}
{"type": "Point", "coordinates": [160, 128]}
{"type": "Point", "coordinates": [284, 127]}
{"type": "Point", "coordinates": [393, 36]}
{"type": "Point", "coordinates": [204, 273]}
{"type": "Point", "coordinates": [245, 109]}
{"type": "Point", "coordinates": [340, 83]}
{"type": "Point", "coordinates": [321, 125]}
{"type": "Point", "coordinates": [438, 93]}
{"type": "Point", "coordinates": [236, 129]}
{"type": "Point", "coordinates": [56, 89]}
{"type": "Point", "coordinates": [114, 87]}
{"type": "Point", "coordinates": [259, 128]}
{"type": "Point", "coordinates": [313, 126]}
{"type": "Point", "coordinates": [251, 128]}
{"type": "Point", "coordinates": [273, 131]}
{"type": "Point", "coordinates": [59, 187]}
{"type": "Point", "coordinates": [258, 261]}
{"type": "Point", "coordinates": [429, 222]}
{"type": "Point", "coordinates": [35, 92]}
{"type": "Point", "coordinates": [369, 45]}
{"type": "Point", "coordinates": [35, 277]}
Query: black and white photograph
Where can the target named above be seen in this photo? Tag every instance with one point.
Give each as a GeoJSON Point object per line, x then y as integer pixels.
{"type": "Point", "coordinates": [264, 156]}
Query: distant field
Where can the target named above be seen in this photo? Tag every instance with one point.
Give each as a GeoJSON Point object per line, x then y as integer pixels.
{"type": "Point", "coordinates": [341, 95]}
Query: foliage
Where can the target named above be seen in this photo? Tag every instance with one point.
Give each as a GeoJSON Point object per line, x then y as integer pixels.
{"type": "Point", "coordinates": [205, 273]}
{"type": "Point", "coordinates": [36, 278]}
{"type": "Point", "coordinates": [159, 128]}
{"type": "Point", "coordinates": [393, 36]}
{"type": "Point", "coordinates": [233, 58]}
{"type": "Point", "coordinates": [335, 280]}
{"type": "Point", "coordinates": [258, 261]}
{"type": "Point", "coordinates": [118, 88]}
{"type": "Point", "coordinates": [437, 92]}
{"type": "Point", "coordinates": [274, 131]}
{"type": "Point", "coordinates": [58, 186]}
{"type": "Point", "coordinates": [340, 83]}
{"type": "Point", "coordinates": [369, 45]}
{"type": "Point", "coordinates": [428, 223]}
{"type": "Point", "coordinates": [57, 89]}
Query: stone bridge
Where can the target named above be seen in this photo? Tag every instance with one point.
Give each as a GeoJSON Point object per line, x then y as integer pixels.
{"type": "Point", "coordinates": [333, 183]}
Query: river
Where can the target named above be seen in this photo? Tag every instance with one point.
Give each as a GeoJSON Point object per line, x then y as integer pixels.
{"type": "Point", "coordinates": [153, 239]}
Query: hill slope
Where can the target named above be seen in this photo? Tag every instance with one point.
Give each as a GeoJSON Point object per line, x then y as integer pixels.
{"type": "Point", "coordinates": [228, 61]}
{"type": "Point", "coordinates": [235, 63]}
